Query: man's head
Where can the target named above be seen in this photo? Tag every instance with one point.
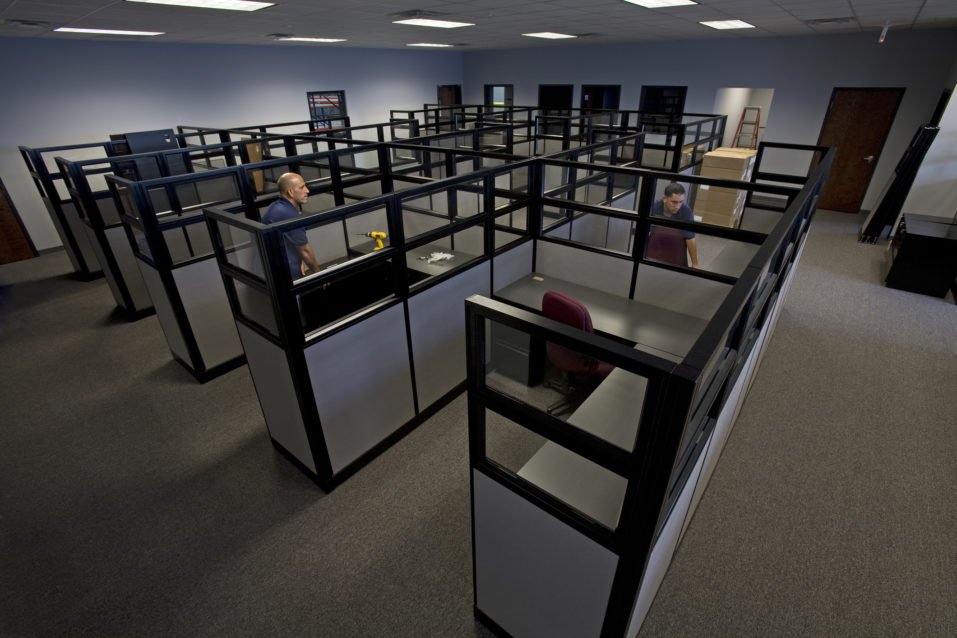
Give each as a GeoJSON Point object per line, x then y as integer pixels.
{"type": "Point", "coordinates": [291, 186]}
{"type": "Point", "coordinates": [673, 198]}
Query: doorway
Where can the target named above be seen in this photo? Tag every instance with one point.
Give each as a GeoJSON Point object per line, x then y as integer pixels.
{"type": "Point", "coordinates": [600, 97]}
{"type": "Point", "coordinates": [15, 244]}
{"type": "Point", "coordinates": [857, 123]}
{"type": "Point", "coordinates": [732, 102]}
{"type": "Point", "coordinates": [555, 99]}
{"type": "Point", "coordinates": [449, 94]}
{"type": "Point", "coordinates": [498, 96]}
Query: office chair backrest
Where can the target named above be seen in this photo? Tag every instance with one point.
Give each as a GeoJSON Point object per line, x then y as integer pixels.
{"type": "Point", "coordinates": [570, 312]}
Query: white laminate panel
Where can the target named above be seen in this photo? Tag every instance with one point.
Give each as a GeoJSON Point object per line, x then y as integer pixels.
{"type": "Point", "coordinates": [612, 411]}
{"type": "Point", "coordinates": [272, 377]}
{"type": "Point", "coordinates": [164, 311]}
{"type": "Point", "coordinates": [437, 325]}
{"type": "Point", "coordinates": [201, 289]}
{"type": "Point", "coordinates": [661, 553]}
{"type": "Point", "coordinates": [601, 272]}
{"type": "Point", "coordinates": [362, 384]}
{"type": "Point", "coordinates": [534, 575]}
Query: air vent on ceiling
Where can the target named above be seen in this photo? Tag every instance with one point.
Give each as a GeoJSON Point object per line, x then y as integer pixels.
{"type": "Point", "coordinates": [830, 21]}
{"type": "Point", "coordinates": [26, 24]}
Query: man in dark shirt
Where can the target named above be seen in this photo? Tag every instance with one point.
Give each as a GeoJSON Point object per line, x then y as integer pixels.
{"type": "Point", "coordinates": [671, 244]}
{"type": "Point", "coordinates": [293, 193]}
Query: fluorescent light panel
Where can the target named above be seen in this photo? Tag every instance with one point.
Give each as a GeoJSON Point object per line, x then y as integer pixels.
{"type": "Point", "coordinates": [107, 31]}
{"type": "Point", "coordinates": [428, 44]}
{"type": "Point", "coordinates": [728, 24]}
{"type": "Point", "coordinates": [658, 4]}
{"type": "Point", "coordinates": [299, 39]}
{"type": "Point", "coordinates": [230, 5]}
{"type": "Point", "coordinates": [549, 35]}
{"type": "Point", "coordinates": [440, 24]}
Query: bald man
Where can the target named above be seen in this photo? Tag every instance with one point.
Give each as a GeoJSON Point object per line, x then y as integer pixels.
{"type": "Point", "coordinates": [293, 193]}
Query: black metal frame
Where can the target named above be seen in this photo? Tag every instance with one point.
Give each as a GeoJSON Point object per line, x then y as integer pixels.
{"type": "Point", "coordinates": [682, 400]}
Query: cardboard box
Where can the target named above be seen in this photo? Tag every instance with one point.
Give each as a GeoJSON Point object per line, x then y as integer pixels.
{"type": "Point", "coordinates": [737, 174]}
{"type": "Point", "coordinates": [718, 197]}
{"type": "Point", "coordinates": [729, 158]}
{"type": "Point", "coordinates": [719, 219]}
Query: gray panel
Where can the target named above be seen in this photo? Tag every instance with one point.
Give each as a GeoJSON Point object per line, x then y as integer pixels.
{"type": "Point", "coordinates": [362, 384]}
{"type": "Point", "coordinates": [277, 395]}
{"type": "Point", "coordinates": [78, 230]}
{"type": "Point", "coordinates": [662, 553]}
{"type": "Point", "coordinates": [512, 265]}
{"type": "Point", "coordinates": [619, 235]}
{"type": "Point", "coordinates": [437, 324]}
{"type": "Point", "coordinates": [534, 575]}
{"type": "Point", "coordinates": [679, 292]}
{"type": "Point", "coordinates": [108, 272]}
{"type": "Point", "coordinates": [210, 319]}
{"type": "Point", "coordinates": [128, 271]}
{"type": "Point", "coordinates": [590, 229]}
{"type": "Point", "coordinates": [164, 311]}
{"type": "Point", "coordinates": [585, 268]}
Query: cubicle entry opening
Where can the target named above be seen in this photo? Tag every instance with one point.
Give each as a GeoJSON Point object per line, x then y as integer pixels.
{"type": "Point", "coordinates": [605, 489]}
{"type": "Point", "coordinates": [62, 210]}
{"type": "Point", "coordinates": [393, 312]}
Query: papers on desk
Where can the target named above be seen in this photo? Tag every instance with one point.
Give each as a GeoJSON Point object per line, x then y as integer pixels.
{"type": "Point", "coordinates": [437, 257]}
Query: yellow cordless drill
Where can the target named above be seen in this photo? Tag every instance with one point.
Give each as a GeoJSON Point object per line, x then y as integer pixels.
{"type": "Point", "coordinates": [378, 236]}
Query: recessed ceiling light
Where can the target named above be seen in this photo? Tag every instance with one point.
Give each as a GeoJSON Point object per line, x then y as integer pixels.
{"type": "Point", "coordinates": [298, 39]}
{"type": "Point", "coordinates": [658, 4]}
{"type": "Point", "coordinates": [427, 22]}
{"type": "Point", "coordinates": [727, 24]}
{"type": "Point", "coordinates": [429, 44]}
{"type": "Point", "coordinates": [231, 5]}
{"type": "Point", "coordinates": [549, 36]}
{"type": "Point", "coordinates": [106, 31]}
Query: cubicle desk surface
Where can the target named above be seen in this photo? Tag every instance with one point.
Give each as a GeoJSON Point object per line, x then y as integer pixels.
{"type": "Point", "coordinates": [418, 259]}
{"type": "Point", "coordinates": [658, 331]}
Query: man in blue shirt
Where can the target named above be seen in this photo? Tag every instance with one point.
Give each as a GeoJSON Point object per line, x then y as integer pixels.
{"type": "Point", "coordinates": [293, 193]}
{"type": "Point", "coordinates": [671, 244]}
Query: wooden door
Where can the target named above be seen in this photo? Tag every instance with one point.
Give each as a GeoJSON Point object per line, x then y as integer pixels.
{"type": "Point", "coordinates": [15, 244]}
{"type": "Point", "coordinates": [857, 123]}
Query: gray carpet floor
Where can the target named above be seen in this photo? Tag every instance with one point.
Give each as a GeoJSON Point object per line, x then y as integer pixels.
{"type": "Point", "coordinates": [135, 501]}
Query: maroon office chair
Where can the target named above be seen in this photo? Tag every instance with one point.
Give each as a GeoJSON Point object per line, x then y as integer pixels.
{"type": "Point", "coordinates": [576, 368]}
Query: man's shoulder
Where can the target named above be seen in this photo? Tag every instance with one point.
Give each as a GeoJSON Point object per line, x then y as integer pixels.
{"type": "Point", "coordinates": [278, 211]}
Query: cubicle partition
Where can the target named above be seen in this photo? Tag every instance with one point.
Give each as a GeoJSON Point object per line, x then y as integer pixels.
{"type": "Point", "coordinates": [85, 181]}
{"type": "Point", "coordinates": [60, 205]}
{"type": "Point", "coordinates": [603, 487]}
{"type": "Point", "coordinates": [347, 360]}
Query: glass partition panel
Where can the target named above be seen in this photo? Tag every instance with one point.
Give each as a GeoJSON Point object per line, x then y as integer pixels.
{"type": "Point", "coordinates": [159, 200]}
{"type": "Point", "coordinates": [469, 199]}
{"type": "Point", "coordinates": [554, 221]}
{"type": "Point", "coordinates": [589, 488]}
{"type": "Point", "coordinates": [140, 245]}
{"type": "Point", "coordinates": [570, 385]}
{"type": "Point", "coordinates": [256, 306]}
{"type": "Point", "coordinates": [241, 248]}
{"type": "Point", "coordinates": [424, 213]}
{"type": "Point", "coordinates": [724, 256]}
{"type": "Point", "coordinates": [345, 297]}
{"type": "Point", "coordinates": [218, 190]}
{"type": "Point", "coordinates": [517, 219]}
{"type": "Point", "coordinates": [443, 255]}
{"type": "Point", "coordinates": [107, 207]}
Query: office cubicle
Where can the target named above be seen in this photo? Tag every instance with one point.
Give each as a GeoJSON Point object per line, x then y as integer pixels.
{"type": "Point", "coordinates": [60, 205]}
{"type": "Point", "coordinates": [605, 489]}
{"type": "Point", "coordinates": [347, 360]}
{"type": "Point", "coordinates": [85, 181]}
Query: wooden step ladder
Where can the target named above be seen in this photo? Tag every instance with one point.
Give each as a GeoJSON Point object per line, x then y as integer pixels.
{"type": "Point", "coordinates": [751, 133]}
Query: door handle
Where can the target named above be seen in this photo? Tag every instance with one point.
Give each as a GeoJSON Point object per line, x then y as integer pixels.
{"type": "Point", "coordinates": [869, 159]}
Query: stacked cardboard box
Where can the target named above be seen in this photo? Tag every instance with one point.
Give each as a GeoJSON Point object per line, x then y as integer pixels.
{"type": "Point", "coordinates": [723, 206]}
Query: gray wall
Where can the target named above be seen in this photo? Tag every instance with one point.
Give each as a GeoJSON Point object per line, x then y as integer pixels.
{"type": "Point", "coordinates": [73, 92]}
{"type": "Point", "coordinates": [801, 70]}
